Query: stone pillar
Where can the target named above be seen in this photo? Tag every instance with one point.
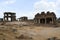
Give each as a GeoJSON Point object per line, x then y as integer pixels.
{"type": "Point", "coordinates": [35, 20]}
{"type": "Point", "coordinates": [39, 21]}
{"type": "Point", "coordinates": [52, 20]}
{"type": "Point", "coordinates": [7, 18]}
{"type": "Point", "coordinates": [45, 20]}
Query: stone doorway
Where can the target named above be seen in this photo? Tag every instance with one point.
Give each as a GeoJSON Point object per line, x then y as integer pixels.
{"type": "Point", "coordinates": [42, 21]}
{"type": "Point", "coordinates": [48, 20]}
{"type": "Point", "coordinates": [9, 19]}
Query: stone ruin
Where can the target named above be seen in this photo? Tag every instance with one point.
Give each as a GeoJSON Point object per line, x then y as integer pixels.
{"type": "Point", "coordinates": [45, 18]}
{"type": "Point", "coordinates": [24, 18]}
{"type": "Point", "coordinates": [9, 16]}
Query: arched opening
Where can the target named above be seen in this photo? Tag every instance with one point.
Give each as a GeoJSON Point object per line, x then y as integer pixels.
{"type": "Point", "coordinates": [42, 21]}
{"type": "Point", "coordinates": [9, 14]}
{"type": "Point", "coordinates": [5, 14]}
{"type": "Point", "coordinates": [37, 20]}
{"type": "Point", "coordinates": [49, 20]}
{"type": "Point", "coordinates": [5, 19]}
{"type": "Point", "coordinates": [9, 19]}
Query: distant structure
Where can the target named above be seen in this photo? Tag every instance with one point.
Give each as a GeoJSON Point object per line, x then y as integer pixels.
{"type": "Point", "coordinates": [24, 18]}
{"type": "Point", "coordinates": [1, 19]}
{"type": "Point", "coordinates": [9, 16]}
{"type": "Point", "coordinates": [45, 18]}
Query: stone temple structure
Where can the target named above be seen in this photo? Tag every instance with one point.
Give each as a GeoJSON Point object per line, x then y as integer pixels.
{"type": "Point", "coordinates": [45, 18]}
{"type": "Point", "coordinates": [9, 16]}
{"type": "Point", "coordinates": [24, 18]}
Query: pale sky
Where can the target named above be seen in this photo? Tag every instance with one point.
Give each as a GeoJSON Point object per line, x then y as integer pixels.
{"type": "Point", "coordinates": [29, 7]}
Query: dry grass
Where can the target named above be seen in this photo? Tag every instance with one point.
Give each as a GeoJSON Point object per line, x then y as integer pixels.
{"type": "Point", "coordinates": [10, 32]}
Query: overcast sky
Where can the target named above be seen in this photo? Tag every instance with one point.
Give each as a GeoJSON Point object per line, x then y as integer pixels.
{"type": "Point", "coordinates": [29, 7]}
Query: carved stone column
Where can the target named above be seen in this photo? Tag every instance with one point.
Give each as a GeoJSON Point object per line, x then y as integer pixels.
{"type": "Point", "coordinates": [52, 20]}
{"type": "Point", "coordinates": [39, 21]}
{"type": "Point", "coordinates": [45, 20]}
{"type": "Point", "coordinates": [35, 21]}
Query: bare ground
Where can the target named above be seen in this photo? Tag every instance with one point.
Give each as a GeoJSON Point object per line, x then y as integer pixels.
{"type": "Point", "coordinates": [12, 32]}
